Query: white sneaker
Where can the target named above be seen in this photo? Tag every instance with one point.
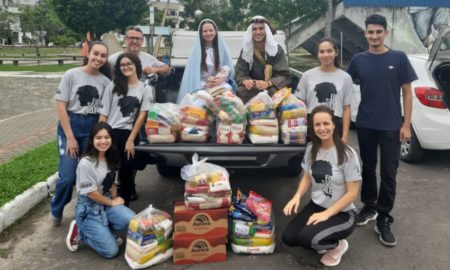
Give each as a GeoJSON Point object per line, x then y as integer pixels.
{"type": "Point", "coordinates": [333, 256]}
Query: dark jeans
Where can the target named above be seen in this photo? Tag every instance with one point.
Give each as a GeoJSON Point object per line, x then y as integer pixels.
{"type": "Point", "coordinates": [322, 236]}
{"type": "Point", "coordinates": [389, 143]}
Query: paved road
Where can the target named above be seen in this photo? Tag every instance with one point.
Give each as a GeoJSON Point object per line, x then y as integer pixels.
{"type": "Point", "coordinates": [27, 112]}
{"type": "Point", "coordinates": [422, 227]}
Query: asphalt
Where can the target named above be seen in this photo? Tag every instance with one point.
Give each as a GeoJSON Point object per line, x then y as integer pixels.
{"type": "Point", "coordinates": [27, 120]}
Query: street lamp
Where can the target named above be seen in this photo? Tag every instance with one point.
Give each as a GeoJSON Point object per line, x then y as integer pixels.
{"type": "Point", "coordinates": [198, 13]}
{"type": "Point", "coordinates": [151, 28]}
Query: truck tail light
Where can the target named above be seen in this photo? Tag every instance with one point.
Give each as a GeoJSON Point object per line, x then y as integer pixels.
{"type": "Point", "coordinates": [430, 97]}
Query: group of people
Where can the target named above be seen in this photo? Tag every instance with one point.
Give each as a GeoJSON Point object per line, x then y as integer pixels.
{"type": "Point", "coordinates": [104, 117]}
{"type": "Point", "coordinates": [99, 124]}
{"type": "Point", "coordinates": [331, 167]}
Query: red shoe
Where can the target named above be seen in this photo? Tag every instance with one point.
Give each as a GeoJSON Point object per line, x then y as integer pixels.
{"type": "Point", "coordinates": [73, 237]}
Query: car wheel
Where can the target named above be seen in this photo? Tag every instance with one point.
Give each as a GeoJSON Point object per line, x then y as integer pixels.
{"type": "Point", "coordinates": [168, 171]}
{"type": "Point", "coordinates": [411, 151]}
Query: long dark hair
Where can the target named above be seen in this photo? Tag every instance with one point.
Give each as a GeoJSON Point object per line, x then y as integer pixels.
{"type": "Point", "coordinates": [215, 45]}
{"type": "Point", "coordinates": [106, 68]}
{"type": "Point", "coordinates": [120, 80]}
{"type": "Point", "coordinates": [335, 47]}
{"type": "Point", "coordinates": [112, 154]}
{"type": "Point", "coordinates": [341, 147]}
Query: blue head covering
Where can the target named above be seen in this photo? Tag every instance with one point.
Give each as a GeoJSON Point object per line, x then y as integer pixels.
{"type": "Point", "coordinates": [191, 81]}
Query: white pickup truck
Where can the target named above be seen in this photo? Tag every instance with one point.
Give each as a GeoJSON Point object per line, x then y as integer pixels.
{"type": "Point", "coordinates": [170, 157]}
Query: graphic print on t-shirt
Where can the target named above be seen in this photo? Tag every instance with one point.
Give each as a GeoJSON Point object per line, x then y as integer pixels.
{"type": "Point", "coordinates": [88, 96]}
{"type": "Point", "coordinates": [128, 107]}
{"type": "Point", "coordinates": [322, 172]}
{"type": "Point", "coordinates": [326, 93]}
{"type": "Point", "coordinates": [108, 182]}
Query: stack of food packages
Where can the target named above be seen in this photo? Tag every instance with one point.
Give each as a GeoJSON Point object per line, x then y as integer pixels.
{"type": "Point", "coordinates": [252, 224]}
{"type": "Point", "coordinates": [231, 118]}
{"type": "Point", "coordinates": [195, 117]}
{"type": "Point", "coordinates": [149, 238]}
{"type": "Point", "coordinates": [207, 185]}
{"type": "Point", "coordinates": [263, 123]}
{"type": "Point", "coordinates": [293, 121]}
{"type": "Point", "coordinates": [163, 123]}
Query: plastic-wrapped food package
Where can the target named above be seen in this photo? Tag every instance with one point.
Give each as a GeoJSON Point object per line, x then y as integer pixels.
{"type": "Point", "coordinates": [207, 185]}
{"type": "Point", "coordinates": [252, 224]}
{"type": "Point", "coordinates": [293, 120]}
{"type": "Point", "coordinates": [195, 117]}
{"type": "Point", "coordinates": [280, 95]}
{"type": "Point", "coordinates": [149, 239]}
{"type": "Point", "coordinates": [163, 123]}
{"type": "Point", "coordinates": [263, 124]}
{"type": "Point", "coordinates": [231, 118]}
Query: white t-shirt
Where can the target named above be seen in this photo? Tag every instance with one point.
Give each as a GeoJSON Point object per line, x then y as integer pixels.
{"type": "Point", "coordinates": [81, 91]}
{"type": "Point", "coordinates": [147, 60]}
{"type": "Point", "coordinates": [333, 89]}
{"type": "Point", "coordinates": [329, 179]}
{"type": "Point", "coordinates": [122, 111]}
{"type": "Point", "coordinates": [93, 176]}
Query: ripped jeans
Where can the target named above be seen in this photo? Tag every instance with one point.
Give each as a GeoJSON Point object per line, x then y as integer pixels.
{"type": "Point", "coordinates": [81, 127]}
{"type": "Point", "coordinates": [96, 224]}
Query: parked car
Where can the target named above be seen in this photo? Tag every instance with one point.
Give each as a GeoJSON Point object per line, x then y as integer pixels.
{"type": "Point", "coordinates": [430, 121]}
{"type": "Point", "coordinates": [169, 157]}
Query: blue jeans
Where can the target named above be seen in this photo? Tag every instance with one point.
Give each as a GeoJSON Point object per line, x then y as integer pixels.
{"type": "Point", "coordinates": [97, 222]}
{"type": "Point", "coordinates": [81, 127]}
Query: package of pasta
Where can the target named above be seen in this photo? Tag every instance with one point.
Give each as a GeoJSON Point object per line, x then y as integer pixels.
{"type": "Point", "coordinates": [207, 185]}
{"type": "Point", "coordinates": [292, 114]}
{"type": "Point", "coordinates": [195, 117]}
{"type": "Point", "coordinates": [263, 126]}
{"type": "Point", "coordinates": [280, 95]}
{"type": "Point", "coordinates": [149, 238]}
{"type": "Point", "coordinates": [163, 123]}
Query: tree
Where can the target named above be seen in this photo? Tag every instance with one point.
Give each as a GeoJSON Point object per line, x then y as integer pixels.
{"type": "Point", "coordinates": [235, 14]}
{"type": "Point", "coordinates": [41, 21]}
{"type": "Point", "coordinates": [226, 14]}
{"type": "Point", "coordinates": [100, 16]}
{"type": "Point", "coordinates": [5, 24]}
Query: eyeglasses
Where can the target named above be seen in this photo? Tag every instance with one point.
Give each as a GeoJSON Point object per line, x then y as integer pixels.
{"type": "Point", "coordinates": [134, 38]}
{"type": "Point", "coordinates": [126, 65]}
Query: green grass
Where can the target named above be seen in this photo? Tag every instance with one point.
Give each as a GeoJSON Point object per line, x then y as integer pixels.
{"type": "Point", "coordinates": [40, 68]}
{"type": "Point", "coordinates": [26, 170]}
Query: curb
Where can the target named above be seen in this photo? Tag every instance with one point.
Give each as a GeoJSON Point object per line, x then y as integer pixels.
{"type": "Point", "coordinates": [24, 202]}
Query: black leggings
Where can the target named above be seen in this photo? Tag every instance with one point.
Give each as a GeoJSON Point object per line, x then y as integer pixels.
{"type": "Point", "coordinates": [322, 236]}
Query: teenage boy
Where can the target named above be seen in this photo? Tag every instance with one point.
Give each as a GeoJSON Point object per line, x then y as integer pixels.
{"type": "Point", "coordinates": [381, 73]}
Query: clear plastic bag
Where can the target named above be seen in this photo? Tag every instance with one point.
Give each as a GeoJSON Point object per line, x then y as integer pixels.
{"type": "Point", "coordinates": [260, 111]}
{"type": "Point", "coordinates": [207, 185]}
{"type": "Point", "coordinates": [195, 116]}
{"type": "Point", "coordinates": [163, 123]}
{"type": "Point", "coordinates": [149, 235]}
{"type": "Point", "coordinates": [292, 114]}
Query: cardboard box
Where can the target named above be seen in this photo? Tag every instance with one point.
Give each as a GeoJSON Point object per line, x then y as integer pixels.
{"type": "Point", "coordinates": [196, 223]}
{"type": "Point", "coordinates": [199, 249]}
